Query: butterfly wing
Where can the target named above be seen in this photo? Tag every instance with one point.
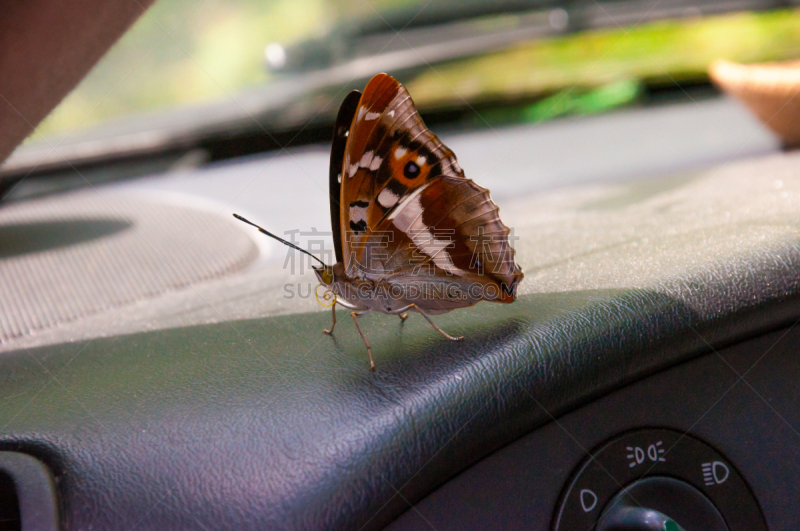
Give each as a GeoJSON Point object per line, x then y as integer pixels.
{"type": "Point", "coordinates": [389, 154]}
{"type": "Point", "coordinates": [449, 237]}
{"type": "Point", "coordinates": [407, 211]}
{"type": "Point", "coordinates": [341, 132]}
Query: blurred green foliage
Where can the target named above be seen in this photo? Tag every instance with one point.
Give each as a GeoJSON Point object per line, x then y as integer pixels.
{"type": "Point", "coordinates": [566, 102]}
{"type": "Point", "coordinates": [657, 53]}
{"type": "Point", "coordinates": [576, 101]}
{"type": "Point", "coordinates": [184, 51]}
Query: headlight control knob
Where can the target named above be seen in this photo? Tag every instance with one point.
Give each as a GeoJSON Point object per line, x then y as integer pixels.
{"type": "Point", "coordinates": [657, 479]}
{"type": "Point", "coordinates": [660, 504]}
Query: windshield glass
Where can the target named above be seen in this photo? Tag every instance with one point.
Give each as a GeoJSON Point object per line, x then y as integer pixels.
{"type": "Point", "coordinates": [284, 66]}
{"type": "Point", "coordinates": [191, 51]}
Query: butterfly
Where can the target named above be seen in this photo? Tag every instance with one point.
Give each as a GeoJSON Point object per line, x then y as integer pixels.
{"type": "Point", "coordinates": [410, 231]}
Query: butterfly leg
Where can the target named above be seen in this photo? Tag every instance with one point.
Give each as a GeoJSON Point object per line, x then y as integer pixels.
{"type": "Point", "coordinates": [333, 312]}
{"type": "Point", "coordinates": [445, 334]}
{"type": "Point", "coordinates": [402, 313]}
{"type": "Point", "coordinates": [355, 315]}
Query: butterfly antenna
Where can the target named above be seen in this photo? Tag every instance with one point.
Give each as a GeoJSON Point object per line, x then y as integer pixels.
{"type": "Point", "coordinates": [268, 233]}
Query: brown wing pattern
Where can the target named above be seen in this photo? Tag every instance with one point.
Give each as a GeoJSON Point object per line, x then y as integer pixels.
{"type": "Point", "coordinates": [409, 215]}
{"type": "Point", "coordinates": [389, 154]}
{"type": "Point", "coordinates": [450, 233]}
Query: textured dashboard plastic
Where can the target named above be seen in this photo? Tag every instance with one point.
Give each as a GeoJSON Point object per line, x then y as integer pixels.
{"type": "Point", "coordinates": [269, 424]}
{"type": "Point", "coordinates": [741, 400]}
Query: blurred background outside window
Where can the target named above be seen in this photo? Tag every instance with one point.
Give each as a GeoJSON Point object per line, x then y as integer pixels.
{"type": "Point", "coordinates": [224, 79]}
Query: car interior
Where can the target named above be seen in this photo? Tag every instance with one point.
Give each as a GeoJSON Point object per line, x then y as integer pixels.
{"type": "Point", "coordinates": [163, 365]}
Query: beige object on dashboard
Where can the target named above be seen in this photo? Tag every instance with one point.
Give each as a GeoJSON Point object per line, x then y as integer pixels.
{"type": "Point", "coordinates": [770, 90]}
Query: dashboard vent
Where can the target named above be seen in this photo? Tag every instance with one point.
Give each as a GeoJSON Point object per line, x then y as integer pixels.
{"type": "Point", "coordinates": [27, 494]}
{"type": "Point", "coordinates": [9, 504]}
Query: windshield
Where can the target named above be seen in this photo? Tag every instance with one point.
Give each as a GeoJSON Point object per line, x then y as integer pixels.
{"type": "Point", "coordinates": [223, 79]}
{"type": "Point", "coordinates": [184, 52]}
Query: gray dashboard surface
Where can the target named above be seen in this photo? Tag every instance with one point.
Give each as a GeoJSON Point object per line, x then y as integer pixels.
{"type": "Point", "coordinates": [740, 399]}
{"type": "Point", "coordinates": [288, 189]}
{"type": "Point", "coordinates": [523, 166]}
{"type": "Point", "coordinates": [266, 423]}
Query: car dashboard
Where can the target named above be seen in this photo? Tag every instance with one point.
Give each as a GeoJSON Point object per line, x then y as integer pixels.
{"type": "Point", "coordinates": [156, 373]}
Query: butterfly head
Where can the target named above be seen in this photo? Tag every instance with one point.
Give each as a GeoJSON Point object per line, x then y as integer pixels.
{"type": "Point", "coordinates": [325, 275]}
{"type": "Point", "coordinates": [329, 275]}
